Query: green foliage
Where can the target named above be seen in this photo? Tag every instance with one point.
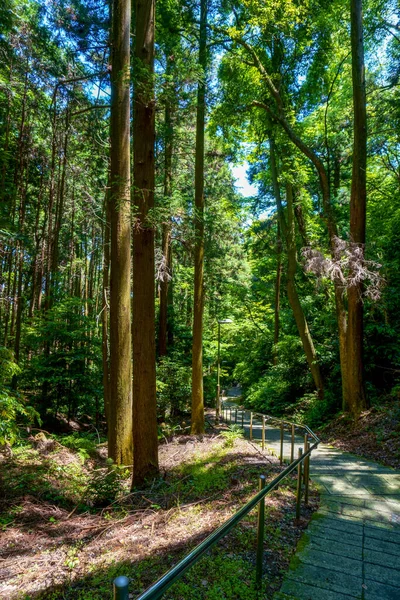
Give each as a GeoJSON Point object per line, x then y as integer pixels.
{"type": "Point", "coordinates": [84, 444]}
{"type": "Point", "coordinates": [173, 385]}
{"type": "Point", "coordinates": [14, 409]}
{"type": "Point", "coordinates": [106, 484]}
{"type": "Point", "coordinates": [67, 379]}
{"type": "Point", "coordinates": [313, 411]}
{"type": "Point", "coordinates": [234, 433]}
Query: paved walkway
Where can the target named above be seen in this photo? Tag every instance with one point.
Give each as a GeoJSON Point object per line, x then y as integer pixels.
{"type": "Point", "coordinates": [351, 548]}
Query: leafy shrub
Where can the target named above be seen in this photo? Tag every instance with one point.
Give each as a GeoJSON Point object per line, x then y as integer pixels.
{"type": "Point", "coordinates": [234, 433]}
{"type": "Point", "coordinates": [106, 484]}
{"type": "Point", "coordinates": [83, 443]}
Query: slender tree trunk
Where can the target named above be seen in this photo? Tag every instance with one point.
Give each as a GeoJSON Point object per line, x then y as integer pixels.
{"type": "Point", "coordinates": [47, 269]}
{"type": "Point", "coordinates": [277, 293]}
{"type": "Point", "coordinates": [357, 400]}
{"type": "Point", "coordinates": [341, 314]}
{"type": "Point", "coordinates": [7, 139]}
{"type": "Point", "coordinates": [20, 299]}
{"type": "Point", "coordinates": [145, 462]}
{"type": "Point", "coordinates": [105, 308]}
{"type": "Point", "coordinates": [60, 205]}
{"type": "Point", "coordinates": [288, 230]}
{"type": "Point", "coordinates": [294, 299]}
{"type": "Point", "coordinates": [166, 229]}
{"type": "Point", "coordinates": [198, 302]}
{"type": "Point", "coordinates": [120, 447]}
{"type": "Point", "coordinates": [35, 266]}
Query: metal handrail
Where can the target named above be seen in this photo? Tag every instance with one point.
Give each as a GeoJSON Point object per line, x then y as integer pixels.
{"type": "Point", "coordinates": [270, 418]}
{"type": "Point", "coordinates": [158, 589]}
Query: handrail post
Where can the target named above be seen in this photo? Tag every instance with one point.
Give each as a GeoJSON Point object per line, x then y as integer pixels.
{"type": "Point", "coordinates": [242, 418]}
{"type": "Point", "coordinates": [281, 453]}
{"type": "Point", "coordinates": [235, 416]}
{"type": "Point", "coordinates": [305, 460]}
{"type": "Point", "coordinates": [121, 588]}
{"type": "Point", "coordinates": [263, 433]}
{"type": "Point", "coordinates": [260, 535]}
{"type": "Point", "coordinates": [292, 448]}
{"type": "Point", "coordinates": [307, 475]}
{"type": "Point", "coordinates": [251, 426]}
{"type": "Point", "coordinates": [298, 495]}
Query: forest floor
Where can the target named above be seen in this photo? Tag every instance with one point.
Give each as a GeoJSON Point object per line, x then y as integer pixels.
{"type": "Point", "coordinates": [61, 537]}
{"type": "Point", "coordinates": [374, 435]}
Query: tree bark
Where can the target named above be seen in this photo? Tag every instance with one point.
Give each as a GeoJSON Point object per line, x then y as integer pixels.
{"type": "Point", "coordinates": [357, 400]}
{"type": "Point", "coordinates": [198, 302]}
{"type": "Point", "coordinates": [120, 447]}
{"type": "Point", "coordinates": [145, 462]}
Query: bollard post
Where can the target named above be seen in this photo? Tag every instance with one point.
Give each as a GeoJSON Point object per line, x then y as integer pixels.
{"type": "Point", "coordinates": [298, 495]}
{"type": "Point", "coordinates": [292, 448]}
{"type": "Point", "coordinates": [260, 535]}
{"type": "Point", "coordinates": [121, 585]}
{"type": "Point", "coordinates": [263, 433]}
{"type": "Point", "coordinates": [307, 475]}
{"type": "Point", "coordinates": [281, 453]}
{"type": "Point", "coordinates": [251, 426]}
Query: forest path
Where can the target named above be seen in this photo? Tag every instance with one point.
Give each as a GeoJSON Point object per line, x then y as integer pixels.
{"type": "Point", "coordinates": [351, 548]}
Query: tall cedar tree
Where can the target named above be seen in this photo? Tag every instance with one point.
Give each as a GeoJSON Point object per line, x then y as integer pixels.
{"type": "Point", "coordinates": [198, 304]}
{"type": "Point", "coordinates": [120, 412]}
{"type": "Point", "coordinates": [357, 400]}
{"type": "Point", "coordinates": [143, 331]}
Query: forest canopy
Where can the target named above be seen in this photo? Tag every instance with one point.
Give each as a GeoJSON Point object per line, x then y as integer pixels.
{"type": "Point", "coordinates": [135, 277]}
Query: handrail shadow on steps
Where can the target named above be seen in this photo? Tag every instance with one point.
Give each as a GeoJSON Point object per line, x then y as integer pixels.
{"type": "Point", "coordinates": [158, 589]}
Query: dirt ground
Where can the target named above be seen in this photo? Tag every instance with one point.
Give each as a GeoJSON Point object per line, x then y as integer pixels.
{"type": "Point", "coordinates": [48, 550]}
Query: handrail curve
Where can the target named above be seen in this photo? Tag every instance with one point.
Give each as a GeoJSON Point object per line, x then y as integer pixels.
{"type": "Point", "coordinates": [158, 589]}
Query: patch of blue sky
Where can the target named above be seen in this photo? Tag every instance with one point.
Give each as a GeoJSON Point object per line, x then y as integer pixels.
{"type": "Point", "coordinates": [242, 184]}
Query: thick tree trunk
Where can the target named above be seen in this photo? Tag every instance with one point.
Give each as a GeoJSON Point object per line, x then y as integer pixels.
{"type": "Point", "coordinates": [145, 463]}
{"type": "Point", "coordinates": [198, 302]}
{"type": "Point", "coordinates": [357, 400]}
{"type": "Point", "coordinates": [120, 447]}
